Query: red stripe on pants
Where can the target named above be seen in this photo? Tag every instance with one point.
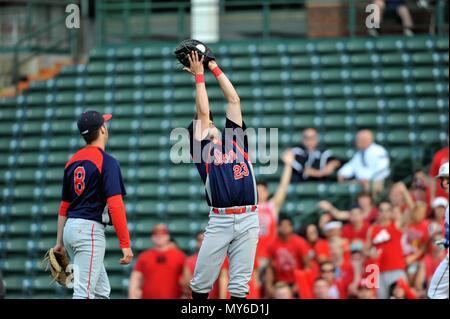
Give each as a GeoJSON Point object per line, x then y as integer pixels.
{"type": "Point", "coordinates": [90, 265]}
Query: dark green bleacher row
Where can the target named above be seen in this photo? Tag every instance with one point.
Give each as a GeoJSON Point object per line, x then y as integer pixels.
{"type": "Point", "coordinates": [396, 86]}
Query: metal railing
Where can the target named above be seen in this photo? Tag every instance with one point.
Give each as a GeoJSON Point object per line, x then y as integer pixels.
{"type": "Point", "coordinates": [134, 22]}
{"type": "Point", "coordinates": [30, 46]}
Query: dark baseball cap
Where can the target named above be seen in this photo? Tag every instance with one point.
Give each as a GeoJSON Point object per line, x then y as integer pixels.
{"type": "Point", "coordinates": [91, 121]}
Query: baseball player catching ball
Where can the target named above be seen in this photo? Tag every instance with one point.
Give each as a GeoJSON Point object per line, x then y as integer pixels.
{"type": "Point", "coordinates": [227, 173]}
{"type": "Point", "coordinates": [439, 283]}
{"type": "Point", "coordinates": [92, 179]}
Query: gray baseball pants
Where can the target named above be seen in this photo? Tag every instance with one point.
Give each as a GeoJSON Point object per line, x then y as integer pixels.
{"type": "Point", "coordinates": [235, 236]}
{"type": "Point", "coordinates": [85, 243]}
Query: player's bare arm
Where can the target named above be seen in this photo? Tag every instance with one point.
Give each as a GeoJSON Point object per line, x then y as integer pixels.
{"type": "Point", "coordinates": [201, 96]}
{"type": "Point", "coordinates": [341, 215]}
{"type": "Point", "coordinates": [134, 288]}
{"type": "Point", "coordinates": [59, 247]}
{"type": "Point", "coordinates": [234, 112]}
{"type": "Point", "coordinates": [280, 196]}
{"type": "Point", "coordinates": [327, 171]}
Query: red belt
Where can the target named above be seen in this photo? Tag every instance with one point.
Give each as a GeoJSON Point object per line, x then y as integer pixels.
{"type": "Point", "coordinates": [235, 210]}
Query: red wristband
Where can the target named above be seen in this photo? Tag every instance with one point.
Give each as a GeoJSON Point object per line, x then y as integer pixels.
{"type": "Point", "coordinates": [216, 71]}
{"type": "Point", "coordinates": [199, 78]}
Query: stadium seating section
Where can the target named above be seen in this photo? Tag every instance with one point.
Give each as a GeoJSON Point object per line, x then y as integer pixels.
{"type": "Point", "coordinates": [396, 86]}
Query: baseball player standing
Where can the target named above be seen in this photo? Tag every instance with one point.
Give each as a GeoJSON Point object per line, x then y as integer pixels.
{"type": "Point", "coordinates": [439, 283]}
{"type": "Point", "coordinates": [231, 192]}
{"type": "Point", "coordinates": [92, 179]}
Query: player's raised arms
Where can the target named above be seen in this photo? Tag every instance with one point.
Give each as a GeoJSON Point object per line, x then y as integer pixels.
{"type": "Point", "coordinates": [234, 112]}
{"type": "Point", "coordinates": [201, 96]}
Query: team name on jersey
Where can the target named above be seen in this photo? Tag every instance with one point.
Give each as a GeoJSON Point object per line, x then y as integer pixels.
{"type": "Point", "coordinates": [224, 158]}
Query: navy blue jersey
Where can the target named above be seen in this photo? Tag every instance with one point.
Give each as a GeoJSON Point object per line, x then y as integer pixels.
{"type": "Point", "coordinates": [225, 168]}
{"type": "Point", "coordinates": [90, 177]}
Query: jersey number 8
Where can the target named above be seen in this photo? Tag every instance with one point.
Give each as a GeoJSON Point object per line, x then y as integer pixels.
{"type": "Point", "coordinates": [78, 180]}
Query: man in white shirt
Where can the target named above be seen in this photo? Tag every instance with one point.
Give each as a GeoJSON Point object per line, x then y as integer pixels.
{"type": "Point", "coordinates": [369, 165]}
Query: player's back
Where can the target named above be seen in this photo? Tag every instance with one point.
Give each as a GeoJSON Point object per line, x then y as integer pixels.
{"type": "Point", "coordinates": [90, 177]}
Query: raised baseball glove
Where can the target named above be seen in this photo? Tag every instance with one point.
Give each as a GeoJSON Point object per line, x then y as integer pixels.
{"type": "Point", "coordinates": [57, 263]}
{"type": "Point", "coordinates": [187, 46]}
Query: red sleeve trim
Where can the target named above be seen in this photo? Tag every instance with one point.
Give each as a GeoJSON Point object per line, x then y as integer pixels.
{"type": "Point", "coordinates": [119, 219]}
{"type": "Point", "coordinates": [63, 207]}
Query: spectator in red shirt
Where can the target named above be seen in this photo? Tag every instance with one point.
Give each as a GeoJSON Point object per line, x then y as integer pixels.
{"type": "Point", "coordinates": [356, 231]}
{"type": "Point", "coordinates": [311, 234]}
{"type": "Point", "coordinates": [384, 244]}
{"type": "Point", "coordinates": [401, 199]}
{"type": "Point", "coordinates": [332, 229]}
{"type": "Point", "coordinates": [321, 289]}
{"type": "Point", "coordinates": [158, 271]}
{"type": "Point", "coordinates": [269, 210]}
{"type": "Point", "coordinates": [439, 158]}
{"type": "Point", "coordinates": [420, 190]}
{"type": "Point", "coordinates": [437, 224]}
{"type": "Point", "coordinates": [328, 273]}
{"type": "Point", "coordinates": [344, 269]}
{"type": "Point", "coordinates": [369, 209]}
{"type": "Point", "coordinates": [364, 202]}
{"type": "Point", "coordinates": [416, 239]}
{"type": "Point", "coordinates": [287, 253]}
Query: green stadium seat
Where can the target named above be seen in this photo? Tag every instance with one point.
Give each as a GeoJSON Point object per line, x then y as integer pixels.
{"type": "Point", "coordinates": [270, 63]}
{"type": "Point", "coordinates": [332, 60]}
{"type": "Point", "coordinates": [269, 49]}
{"type": "Point", "coordinates": [420, 44]}
{"type": "Point", "coordinates": [367, 121]}
{"type": "Point", "coordinates": [397, 121]}
{"type": "Point", "coordinates": [14, 283]}
{"type": "Point", "coordinates": [337, 138]}
{"type": "Point", "coordinates": [393, 59]}
{"type": "Point", "coordinates": [389, 45]}
{"type": "Point", "coordinates": [442, 44]}
{"type": "Point", "coordinates": [360, 45]}
{"type": "Point", "coordinates": [362, 59]}
{"type": "Point", "coordinates": [431, 120]}
{"type": "Point", "coordinates": [7, 114]}
{"type": "Point", "coordinates": [297, 48]}
{"type": "Point", "coordinates": [299, 61]}
{"type": "Point", "coordinates": [337, 121]}
{"type": "Point", "coordinates": [21, 228]}
{"type": "Point", "coordinates": [400, 137]}
{"type": "Point", "coordinates": [239, 50]}
{"type": "Point", "coordinates": [423, 58]}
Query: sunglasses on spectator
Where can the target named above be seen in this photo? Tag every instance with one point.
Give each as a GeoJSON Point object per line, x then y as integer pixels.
{"type": "Point", "coordinates": [327, 270]}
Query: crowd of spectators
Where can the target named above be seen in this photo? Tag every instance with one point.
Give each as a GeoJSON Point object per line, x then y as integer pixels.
{"type": "Point", "coordinates": [380, 247]}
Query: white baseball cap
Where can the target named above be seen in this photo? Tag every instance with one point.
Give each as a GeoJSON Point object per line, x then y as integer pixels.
{"type": "Point", "coordinates": [332, 225]}
{"type": "Point", "coordinates": [443, 170]}
{"type": "Point", "coordinates": [439, 201]}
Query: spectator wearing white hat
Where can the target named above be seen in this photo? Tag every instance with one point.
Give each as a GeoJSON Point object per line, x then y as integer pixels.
{"type": "Point", "coordinates": [332, 231]}
{"type": "Point", "coordinates": [437, 225]}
